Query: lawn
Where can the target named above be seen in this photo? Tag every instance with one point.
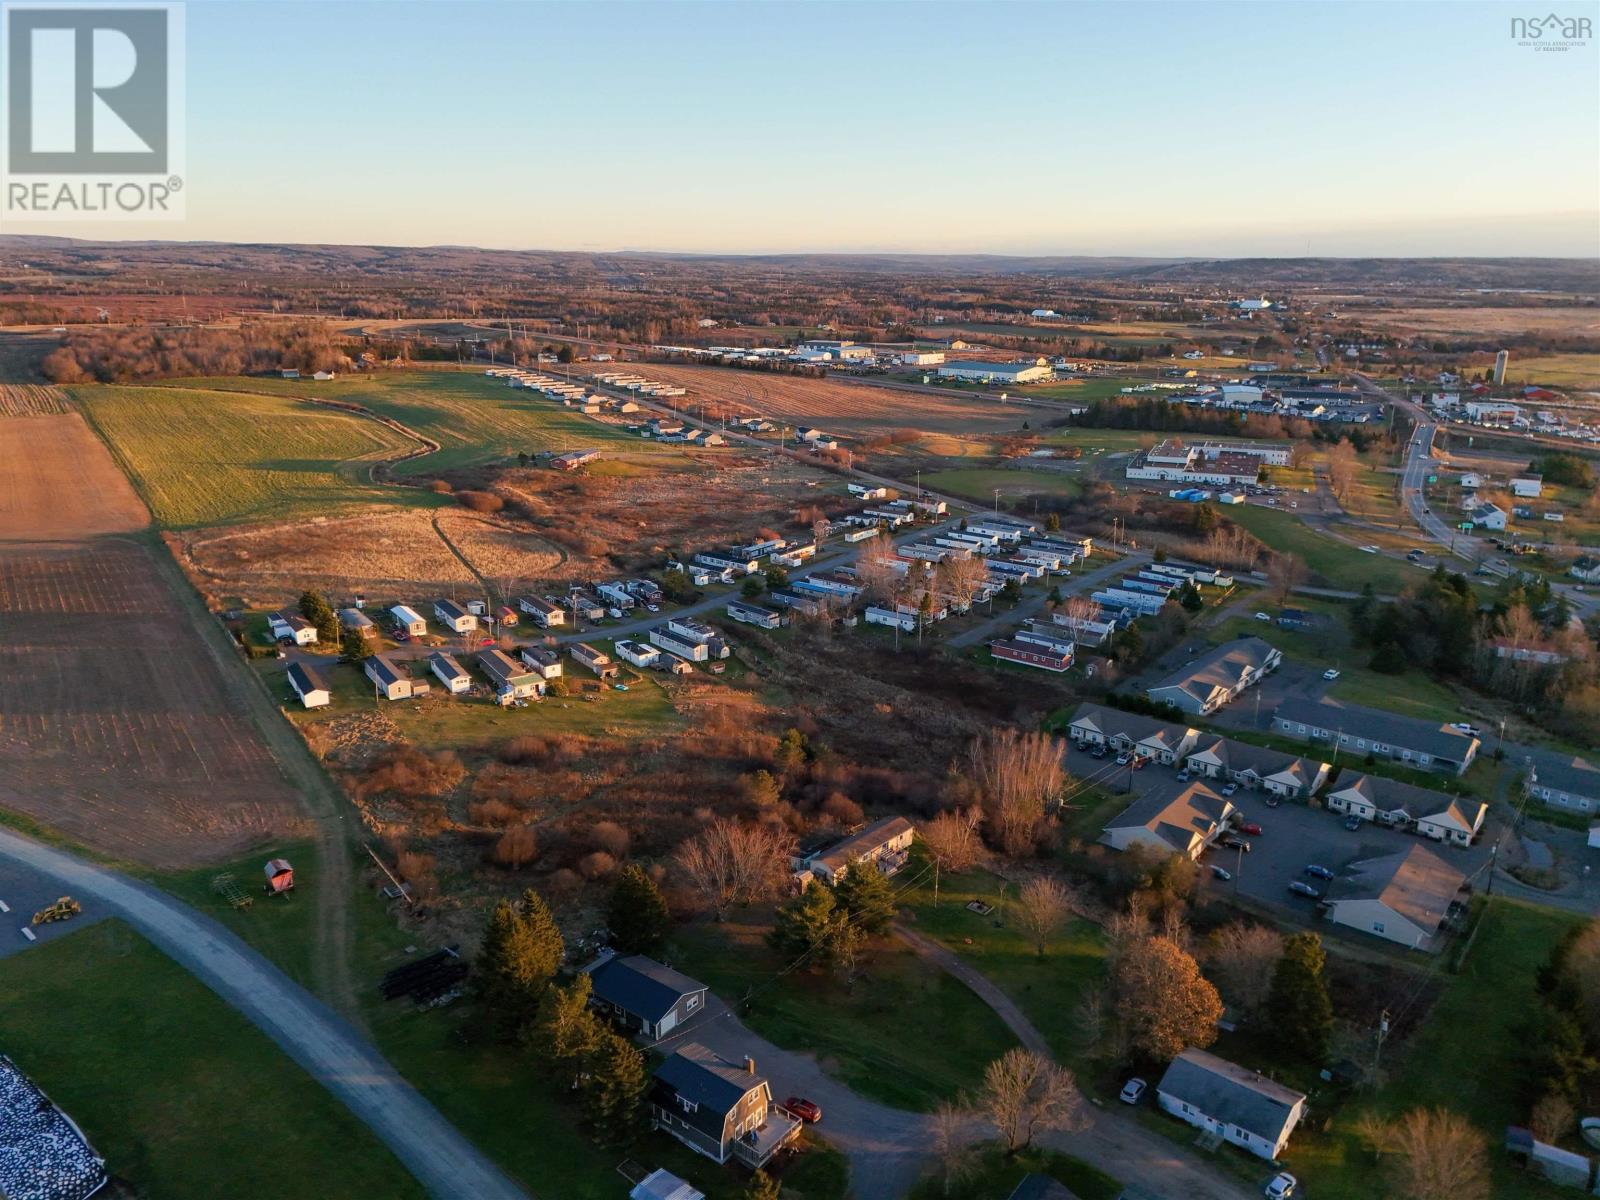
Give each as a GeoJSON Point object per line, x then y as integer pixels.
{"type": "Point", "coordinates": [994, 1175]}
{"type": "Point", "coordinates": [203, 457]}
{"type": "Point", "coordinates": [979, 483]}
{"type": "Point", "coordinates": [1556, 370]}
{"type": "Point", "coordinates": [181, 1095]}
{"type": "Point", "coordinates": [876, 1036]}
{"type": "Point", "coordinates": [1048, 989]}
{"type": "Point", "coordinates": [1094, 441]}
{"type": "Point", "coordinates": [1332, 563]}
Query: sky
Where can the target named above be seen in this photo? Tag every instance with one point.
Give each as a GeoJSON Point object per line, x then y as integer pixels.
{"type": "Point", "coordinates": [1279, 129]}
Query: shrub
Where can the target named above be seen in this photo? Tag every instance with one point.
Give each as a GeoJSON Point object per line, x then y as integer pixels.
{"type": "Point", "coordinates": [441, 487]}
{"type": "Point", "coordinates": [610, 837]}
{"type": "Point", "coordinates": [516, 847]}
{"type": "Point", "coordinates": [596, 865]}
{"type": "Point", "coordinates": [483, 502]}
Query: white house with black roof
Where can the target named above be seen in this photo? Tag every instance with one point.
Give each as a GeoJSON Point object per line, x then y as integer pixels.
{"type": "Point", "coordinates": [309, 685]}
{"type": "Point", "coordinates": [454, 618]}
{"type": "Point", "coordinates": [291, 626]}
{"type": "Point", "coordinates": [389, 678]}
{"type": "Point", "coordinates": [449, 672]}
{"type": "Point", "coordinates": [718, 1108]}
{"type": "Point", "coordinates": [644, 996]}
{"type": "Point", "coordinates": [1239, 1105]}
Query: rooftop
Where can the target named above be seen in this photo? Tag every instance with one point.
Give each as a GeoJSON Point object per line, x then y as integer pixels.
{"type": "Point", "coordinates": [1416, 884]}
{"type": "Point", "coordinates": [1437, 739]}
{"type": "Point", "coordinates": [863, 842]}
{"type": "Point", "coordinates": [1231, 1093]}
{"type": "Point", "coordinates": [1222, 667]}
{"type": "Point", "coordinates": [641, 985]}
{"type": "Point", "coordinates": [1175, 812]}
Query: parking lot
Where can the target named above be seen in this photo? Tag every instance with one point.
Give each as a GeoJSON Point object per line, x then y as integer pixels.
{"type": "Point", "coordinates": [24, 892]}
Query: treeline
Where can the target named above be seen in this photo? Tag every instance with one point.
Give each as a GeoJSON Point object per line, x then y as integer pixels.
{"type": "Point", "coordinates": [145, 352]}
{"type": "Point", "coordinates": [1164, 416]}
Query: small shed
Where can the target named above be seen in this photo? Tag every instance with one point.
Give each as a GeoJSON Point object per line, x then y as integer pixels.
{"type": "Point", "coordinates": [280, 877]}
{"type": "Point", "coordinates": [664, 1185]}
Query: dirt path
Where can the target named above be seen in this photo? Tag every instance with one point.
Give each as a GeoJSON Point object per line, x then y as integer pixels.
{"type": "Point", "coordinates": [488, 588]}
{"type": "Point", "coordinates": [1003, 1005]}
{"type": "Point", "coordinates": [330, 1050]}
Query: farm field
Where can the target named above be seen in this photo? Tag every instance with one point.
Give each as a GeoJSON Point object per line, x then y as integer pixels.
{"type": "Point", "coordinates": [182, 1096]}
{"type": "Point", "coordinates": [32, 400]}
{"type": "Point", "coordinates": [206, 457]}
{"type": "Point", "coordinates": [850, 408]}
{"type": "Point", "coordinates": [1557, 370]}
{"type": "Point", "coordinates": [1574, 319]}
{"type": "Point", "coordinates": [56, 481]}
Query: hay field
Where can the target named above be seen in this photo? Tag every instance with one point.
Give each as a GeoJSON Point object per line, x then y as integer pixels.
{"type": "Point", "coordinates": [32, 400]}
{"type": "Point", "coordinates": [849, 408]}
{"type": "Point", "coordinates": [56, 480]}
{"type": "Point", "coordinates": [1490, 320]}
{"type": "Point", "coordinates": [203, 457]}
{"type": "Point", "coordinates": [1557, 370]}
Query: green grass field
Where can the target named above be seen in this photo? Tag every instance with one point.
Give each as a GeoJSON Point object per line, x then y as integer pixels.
{"type": "Point", "coordinates": [878, 1037]}
{"type": "Point", "coordinates": [203, 457]}
{"type": "Point", "coordinates": [1556, 370]}
{"type": "Point", "coordinates": [180, 1094]}
{"type": "Point", "coordinates": [994, 1174]}
{"type": "Point", "coordinates": [978, 483]}
{"type": "Point", "coordinates": [1332, 563]}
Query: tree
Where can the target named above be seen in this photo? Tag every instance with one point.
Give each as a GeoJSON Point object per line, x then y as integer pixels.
{"type": "Point", "coordinates": [1164, 1001]}
{"type": "Point", "coordinates": [814, 927]}
{"type": "Point", "coordinates": [1018, 774]}
{"type": "Point", "coordinates": [1285, 573]}
{"type": "Point", "coordinates": [753, 586]}
{"type": "Point", "coordinates": [566, 354]}
{"type": "Point", "coordinates": [952, 1144]}
{"type": "Point", "coordinates": [353, 646]}
{"type": "Point", "coordinates": [867, 897]}
{"type": "Point", "coordinates": [1299, 1013]}
{"type": "Point", "coordinates": [1024, 1094]}
{"type": "Point", "coordinates": [328, 629]}
{"type": "Point", "coordinates": [637, 915]}
{"type": "Point", "coordinates": [1243, 958]}
{"type": "Point", "coordinates": [1042, 908]}
{"type": "Point", "coordinates": [516, 847]}
{"type": "Point", "coordinates": [791, 753]}
{"type": "Point", "coordinates": [876, 571]}
{"type": "Point", "coordinates": [951, 842]}
{"type": "Point", "coordinates": [1552, 1119]}
{"type": "Point", "coordinates": [1052, 522]}
{"type": "Point", "coordinates": [1011, 591]}
{"type": "Point", "coordinates": [312, 606]}
{"type": "Point", "coordinates": [613, 1083]}
{"type": "Point", "coordinates": [1342, 466]}
{"type": "Point", "coordinates": [521, 951]}
{"type": "Point", "coordinates": [1189, 596]}
{"type": "Point", "coordinates": [760, 789]}
{"type": "Point", "coordinates": [730, 862]}
{"type": "Point", "coordinates": [962, 579]}
{"type": "Point", "coordinates": [566, 1029]}
{"type": "Point", "coordinates": [1437, 1155]}
{"type": "Point", "coordinates": [762, 1187]}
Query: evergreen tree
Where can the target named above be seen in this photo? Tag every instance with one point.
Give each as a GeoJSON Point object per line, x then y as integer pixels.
{"type": "Point", "coordinates": [521, 951]}
{"type": "Point", "coordinates": [328, 628]}
{"type": "Point", "coordinates": [867, 897]}
{"type": "Point", "coordinates": [762, 1187]}
{"type": "Point", "coordinates": [637, 915]}
{"type": "Point", "coordinates": [353, 646]}
{"type": "Point", "coordinates": [815, 926]}
{"type": "Point", "coordinates": [753, 586]}
{"type": "Point", "coordinates": [312, 606]}
{"type": "Point", "coordinates": [614, 1081]}
{"type": "Point", "coordinates": [1299, 1013]}
{"type": "Point", "coordinates": [791, 753]}
{"type": "Point", "coordinates": [566, 1029]}
{"type": "Point", "coordinates": [1190, 597]}
{"type": "Point", "coordinates": [1052, 522]}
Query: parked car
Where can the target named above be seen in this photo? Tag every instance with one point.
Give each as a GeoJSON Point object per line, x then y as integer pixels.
{"type": "Point", "coordinates": [1140, 762]}
{"type": "Point", "coordinates": [400, 635]}
{"type": "Point", "coordinates": [1304, 889]}
{"type": "Point", "coordinates": [1124, 759]}
{"type": "Point", "coordinates": [1319, 871]}
{"type": "Point", "coordinates": [1251, 828]}
{"type": "Point", "coordinates": [1098, 752]}
{"type": "Point", "coordinates": [1184, 777]}
{"type": "Point", "coordinates": [1262, 617]}
{"type": "Point", "coordinates": [806, 1110]}
{"type": "Point", "coordinates": [1230, 789]}
{"type": "Point", "coordinates": [1281, 1187]}
{"type": "Point", "coordinates": [1352, 822]}
{"type": "Point", "coordinates": [652, 608]}
{"type": "Point", "coordinates": [1222, 873]}
{"type": "Point", "coordinates": [1235, 842]}
{"type": "Point", "coordinates": [488, 641]}
{"type": "Point", "coordinates": [1132, 1091]}
{"type": "Point", "coordinates": [1331, 673]}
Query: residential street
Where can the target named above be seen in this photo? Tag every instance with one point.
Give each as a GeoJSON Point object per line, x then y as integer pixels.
{"type": "Point", "coordinates": [1081, 583]}
{"type": "Point", "coordinates": [329, 1049]}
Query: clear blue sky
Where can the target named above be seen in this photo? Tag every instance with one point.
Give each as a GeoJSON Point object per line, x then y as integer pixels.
{"type": "Point", "coordinates": [1133, 128]}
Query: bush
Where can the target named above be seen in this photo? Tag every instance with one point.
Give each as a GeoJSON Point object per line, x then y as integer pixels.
{"type": "Point", "coordinates": [610, 837]}
{"type": "Point", "coordinates": [516, 847]}
{"type": "Point", "coordinates": [597, 865]}
{"type": "Point", "coordinates": [404, 770]}
{"type": "Point", "coordinates": [483, 502]}
{"type": "Point", "coordinates": [441, 487]}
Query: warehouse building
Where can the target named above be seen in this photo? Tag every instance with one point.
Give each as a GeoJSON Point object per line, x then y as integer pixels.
{"type": "Point", "coordinates": [1029, 371]}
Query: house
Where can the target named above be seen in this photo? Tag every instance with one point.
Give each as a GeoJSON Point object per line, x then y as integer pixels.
{"type": "Point", "coordinates": [1240, 1106]}
{"type": "Point", "coordinates": [1387, 801]}
{"type": "Point", "coordinates": [1217, 677]}
{"type": "Point", "coordinates": [1471, 481]}
{"type": "Point", "coordinates": [1458, 822]}
{"type": "Point", "coordinates": [639, 654]}
{"type": "Point", "coordinates": [1435, 746]}
{"type": "Point", "coordinates": [1172, 818]}
{"type": "Point", "coordinates": [1527, 487]}
{"type": "Point", "coordinates": [1286, 775]}
{"type": "Point", "coordinates": [718, 1108]}
{"type": "Point", "coordinates": [542, 660]}
{"type": "Point", "coordinates": [573, 459]}
{"type": "Point", "coordinates": [1046, 657]}
{"type": "Point", "coordinates": [595, 659]}
{"type": "Point", "coordinates": [353, 620]}
{"type": "Point", "coordinates": [680, 644]}
{"type": "Point", "coordinates": [753, 614]}
{"type": "Point", "coordinates": [642, 995]}
{"type": "Point", "coordinates": [454, 617]}
{"type": "Point", "coordinates": [885, 842]}
{"type": "Point", "coordinates": [407, 621]}
{"type": "Point", "coordinates": [390, 680]}
{"type": "Point", "coordinates": [505, 616]}
{"type": "Point", "coordinates": [542, 611]}
{"type": "Point", "coordinates": [1402, 897]}
{"type": "Point", "coordinates": [662, 1184]}
{"type": "Point", "coordinates": [291, 627]}
{"type": "Point", "coordinates": [1586, 568]}
{"type": "Point", "coordinates": [449, 672]}
{"type": "Point", "coordinates": [1486, 515]}
{"type": "Point", "coordinates": [511, 681]}
{"type": "Point", "coordinates": [309, 685]}
{"type": "Point", "coordinates": [1094, 726]}
{"type": "Point", "coordinates": [1565, 780]}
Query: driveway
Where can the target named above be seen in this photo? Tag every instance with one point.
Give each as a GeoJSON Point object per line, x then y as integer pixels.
{"type": "Point", "coordinates": [308, 1031]}
{"type": "Point", "coordinates": [23, 892]}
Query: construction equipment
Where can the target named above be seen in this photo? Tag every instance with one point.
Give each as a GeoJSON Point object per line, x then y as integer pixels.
{"type": "Point", "coordinates": [62, 910]}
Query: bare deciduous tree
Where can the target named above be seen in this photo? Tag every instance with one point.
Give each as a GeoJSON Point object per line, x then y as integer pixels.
{"type": "Point", "coordinates": [1024, 1094]}
{"type": "Point", "coordinates": [1242, 958]}
{"type": "Point", "coordinates": [729, 863]}
{"type": "Point", "coordinates": [876, 568]}
{"type": "Point", "coordinates": [962, 579]}
{"type": "Point", "coordinates": [952, 843]}
{"type": "Point", "coordinates": [1342, 465]}
{"type": "Point", "coordinates": [1435, 1154]}
{"type": "Point", "coordinates": [1285, 573]}
{"type": "Point", "coordinates": [1041, 911]}
{"type": "Point", "coordinates": [952, 1143]}
{"type": "Point", "coordinates": [1018, 775]}
{"type": "Point", "coordinates": [1552, 1118]}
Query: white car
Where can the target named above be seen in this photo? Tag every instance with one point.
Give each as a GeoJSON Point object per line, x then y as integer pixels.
{"type": "Point", "coordinates": [1282, 1186]}
{"type": "Point", "coordinates": [1262, 617]}
{"type": "Point", "coordinates": [1331, 673]}
{"type": "Point", "coordinates": [1132, 1091]}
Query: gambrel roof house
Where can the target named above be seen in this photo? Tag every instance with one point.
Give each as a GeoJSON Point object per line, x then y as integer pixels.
{"type": "Point", "coordinates": [1171, 817]}
{"type": "Point", "coordinates": [1242, 1106]}
{"type": "Point", "coordinates": [718, 1108]}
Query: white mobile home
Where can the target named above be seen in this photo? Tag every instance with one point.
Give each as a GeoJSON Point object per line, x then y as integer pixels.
{"type": "Point", "coordinates": [408, 621]}
{"type": "Point", "coordinates": [391, 682]}
{"type": "Point", "coordinates": [450, 673]}
{"type": "Point", "coordinates": [454, 617]}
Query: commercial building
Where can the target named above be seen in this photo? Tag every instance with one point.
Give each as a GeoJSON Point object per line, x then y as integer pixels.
{"type": "Point", "coordinates": [1029, 371]}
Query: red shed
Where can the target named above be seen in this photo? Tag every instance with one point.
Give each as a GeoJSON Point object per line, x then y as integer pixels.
{"type": "Point", "coordinates": [280, 876]}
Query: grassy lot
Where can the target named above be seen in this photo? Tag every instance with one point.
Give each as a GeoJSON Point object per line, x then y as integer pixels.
{"type": "Point", "coordinates": [180, 1094]}
{"type": "Point", "coordinates": [1556, 370]}
{"type": "Point", "coordinates": [1085, 390]}
{"type": "Point", "coordinates": [1095, 441]}
{"type": "Point", "coordinates": [1332, 563]}
{"type": "Point", "coordinates": [978, 483]}
{"type": "Point", "coordinates": [1048, 989]}
{"type": "Point", "coordinates": [995, 1175]}
{"type": "Point", "coordinates": [875, 1037]}
{"type": "Point", "coordinates": [438, 720]}
{"type": "Point", "coordinates": [202, 457]}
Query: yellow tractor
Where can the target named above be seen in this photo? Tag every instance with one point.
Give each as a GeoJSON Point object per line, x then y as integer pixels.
{"type": "Point", "coordinates": [62, 910]}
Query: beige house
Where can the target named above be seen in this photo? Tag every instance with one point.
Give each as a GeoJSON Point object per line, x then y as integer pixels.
{"type": "Point", "coordinates": [1286, 775]}
{"type": "Point", "coordinates": [1402, 897]}
{"type": "Point", "coordinates": [1171, 818]}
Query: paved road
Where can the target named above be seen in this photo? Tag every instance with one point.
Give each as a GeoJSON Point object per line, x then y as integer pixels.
{"type": "Point", "coordinates": [307, 1030]}
{"type": "Point", "coordinates": [1080, 583]}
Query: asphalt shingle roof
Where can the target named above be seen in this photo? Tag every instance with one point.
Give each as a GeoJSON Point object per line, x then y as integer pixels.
{"type": "Point", "coordinates": [1228, 1092]}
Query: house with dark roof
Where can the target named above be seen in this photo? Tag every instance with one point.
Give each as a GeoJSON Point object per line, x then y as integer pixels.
{"type": "Point", "coordinates": [309, 685]}
{"type": "Point", "coordinates": [1239, 1105]}
{"type": "Point", "coordinates": [389, 678]}
{"type": "Point", "coordinates": [1458, 822]}
{"type": "Point", "coordinates": [454, 617]}
{"type": "Point", "coordinates": [542, 660]}
{"type": "Point", "coordinates": [1287, 775]}
{"type": "Point", "coordinates": [449, 672]}
{"type": "Point", "coordinates": [1173, 818]}
{"type": "Point", "coordinates": [291, 627]}
{"type": "Point", "coordinates": [885, 844]}
{"type": "Point", "coordinates": [642, 995]}
{"type": "Point", "coordinates": [1403, 897]}
{"type": "Point", "coordinates": [718, 1108]}
{"type": "Point", "coordinates": [511, 681]}
{"type": "Point", "coordinates": [1121, 731]}
{"type": "Point", "coordinates": [1377, 798]}
{"type": "Point", "coordinates": [1217, 677]}
{"type": "Point", "coordinates": [1565, 780]}
{"type": "Point", "coordinates": [1428, 744]}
